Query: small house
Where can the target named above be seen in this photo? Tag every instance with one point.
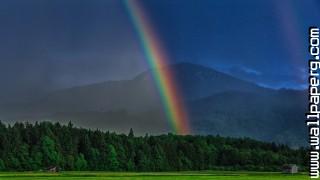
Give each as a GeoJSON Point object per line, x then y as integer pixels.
{"type": "Point", "coordinates": [290, 169]}
{"type": "Point", "coordinates": [53, 169]}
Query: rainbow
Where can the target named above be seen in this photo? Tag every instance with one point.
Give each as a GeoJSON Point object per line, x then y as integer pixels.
{"type": "Point", "coordinates": [156, 57]}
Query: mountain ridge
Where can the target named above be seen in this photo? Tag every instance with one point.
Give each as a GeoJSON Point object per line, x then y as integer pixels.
{"type": "Point", "coordinates": [208, 94]}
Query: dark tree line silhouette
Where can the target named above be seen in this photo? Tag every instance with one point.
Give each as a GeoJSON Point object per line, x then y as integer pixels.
{"type": "Point", "coordinates": [32, 147]}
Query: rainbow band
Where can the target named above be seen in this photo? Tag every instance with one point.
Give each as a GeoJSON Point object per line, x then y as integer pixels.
{"type": "Point", "coordinates": [157, 59]}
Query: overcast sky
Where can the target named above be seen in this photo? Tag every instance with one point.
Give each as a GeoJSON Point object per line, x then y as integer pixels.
{"type": "Point", "coordinates": [52, 44]}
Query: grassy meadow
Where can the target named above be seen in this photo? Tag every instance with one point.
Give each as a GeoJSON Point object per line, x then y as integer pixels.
{"type": "Point", "coordinates": [144, 176]}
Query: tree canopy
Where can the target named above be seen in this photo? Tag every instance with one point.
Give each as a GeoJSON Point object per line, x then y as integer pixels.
{"type": "Point", "coordinates": [25, 146]}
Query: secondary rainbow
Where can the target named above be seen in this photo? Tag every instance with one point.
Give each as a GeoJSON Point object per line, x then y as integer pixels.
{"type": "Point", "coordinates": [158, 61]}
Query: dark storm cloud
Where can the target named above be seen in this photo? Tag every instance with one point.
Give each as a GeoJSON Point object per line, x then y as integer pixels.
{"type": "Point", "coordinates": [48, 45]}
{"type": "Point", "coordinates": [267, 36]}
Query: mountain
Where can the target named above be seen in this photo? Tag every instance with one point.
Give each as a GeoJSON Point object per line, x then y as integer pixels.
{"type": "Point", "coordinates": [196, 81]}
{"type": "Point", "coordinates": [135, 95]}
{"type": "Point", "coordinates": [218, 104]}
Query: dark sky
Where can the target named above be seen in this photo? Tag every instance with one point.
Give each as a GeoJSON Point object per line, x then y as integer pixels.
{"type": "Point", "coordinates": [46, 45]}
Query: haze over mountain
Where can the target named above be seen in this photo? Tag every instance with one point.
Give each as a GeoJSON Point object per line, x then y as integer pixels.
{"type": "Point", "coordinates": [218, 104]}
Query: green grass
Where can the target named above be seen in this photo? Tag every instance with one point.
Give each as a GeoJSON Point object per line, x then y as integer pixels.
{"type": "Point", "coordinates": [218, 175]}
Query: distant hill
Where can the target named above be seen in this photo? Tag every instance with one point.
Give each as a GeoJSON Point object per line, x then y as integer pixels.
{"type": "Point", "coordinates": [275, 116]}
{"type": "Point", "coordinates": [195, 81]}
{"type": "Point", "coordinates": [218, 104]}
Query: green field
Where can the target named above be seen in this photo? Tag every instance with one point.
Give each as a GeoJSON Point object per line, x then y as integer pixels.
{"type": "Point", "coordinates": [145, 176]}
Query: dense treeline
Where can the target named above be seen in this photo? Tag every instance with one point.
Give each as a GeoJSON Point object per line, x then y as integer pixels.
{"type": "Point", "coordinates": [41, 145]}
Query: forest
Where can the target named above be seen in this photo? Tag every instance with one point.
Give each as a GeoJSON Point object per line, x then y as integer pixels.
{"type": "Point", "coordinates": [34, 147]}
